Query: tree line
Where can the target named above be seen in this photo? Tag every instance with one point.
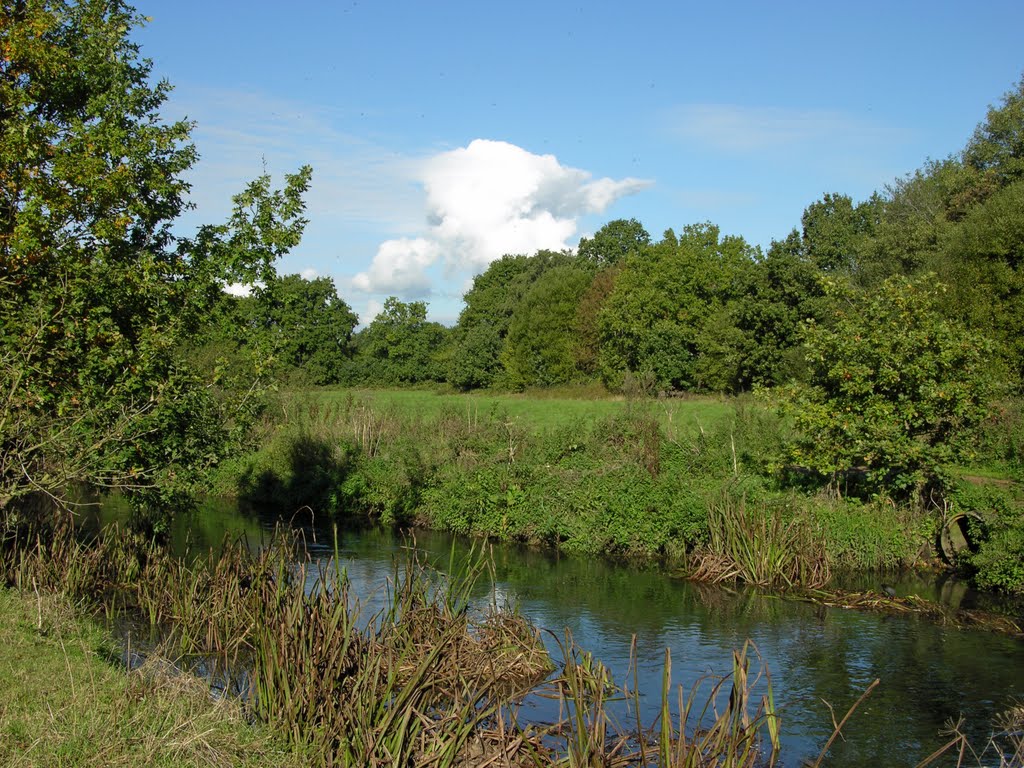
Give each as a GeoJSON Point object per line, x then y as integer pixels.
{"type": "Point", "coordinates": [124, 364]}
{"type": "Point", "coordinates": [697, 310]}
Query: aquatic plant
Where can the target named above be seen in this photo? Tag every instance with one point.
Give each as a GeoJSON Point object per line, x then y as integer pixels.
{"type": "Point", "coordinates": [428, 680]}
{"type": "Point", "coordinates": [760, 544]}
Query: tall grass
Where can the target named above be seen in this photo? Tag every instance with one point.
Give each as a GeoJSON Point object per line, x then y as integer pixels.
{"type": "Point", "coordinates": [425, 681]}
{"type": "Point", "coordinates": [410, 685]}
{"type": "Point", "coordinates": [718, 722]}
{"type": "Point", "coordinates": [537, 411]}
{"type": "Point", "coordinates": [762, 545]}
{"type": "Point", "coordinates": [742, 731]}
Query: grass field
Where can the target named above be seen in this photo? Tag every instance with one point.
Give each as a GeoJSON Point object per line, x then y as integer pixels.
{"type": "Point", "coordinates": [537, 411]}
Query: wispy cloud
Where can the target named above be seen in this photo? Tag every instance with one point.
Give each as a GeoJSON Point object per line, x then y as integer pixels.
{"type": "Point", "coordinates": [241, 134]}
{"type": "Point", "coordinates": [738, 128]}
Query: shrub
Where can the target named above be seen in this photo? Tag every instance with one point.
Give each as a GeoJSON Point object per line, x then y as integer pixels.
{"type": "Point", "coordinates": [891, 387]}
{"type": "Point", "coordinates": [296, 469]}
{"type": "Point", "coordinates": [999, 561]}
{"type": "Point", "coordinates": [870, 536]}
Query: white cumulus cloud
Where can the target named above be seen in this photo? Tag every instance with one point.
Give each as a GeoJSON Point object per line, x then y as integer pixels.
{"type": "Point", "coordinates": [399, 268]}
{"type": "Point", "coordinates": [483, 201]}
{"type": "Point", "coordinates": [373, 308]}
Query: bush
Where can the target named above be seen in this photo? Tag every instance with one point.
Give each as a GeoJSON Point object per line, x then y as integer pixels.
{"type": "Point", "coordinates": [297, 469]}
{"type": "Point", "coordinates": [871, 536]}
{"type": "Point", "coordinates": [386, 487]}
{"type": "Point", "coordinates": [892, 386]}
{"type": "Point", "coordinates": [1000, 438]}
{"type": "Point", "coordinates": [999, 561]}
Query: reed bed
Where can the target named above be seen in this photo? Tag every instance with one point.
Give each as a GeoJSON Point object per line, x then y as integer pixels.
{"type": "Point", "coordinates": [427, 681]}
{"type": "Point", "coordinates": [411, 685]}
{"type": "Point", "coordinates": [759, 545]}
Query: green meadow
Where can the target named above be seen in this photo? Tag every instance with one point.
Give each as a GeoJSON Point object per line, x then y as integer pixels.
{"type": "Point", "coordinates": [538, 410]}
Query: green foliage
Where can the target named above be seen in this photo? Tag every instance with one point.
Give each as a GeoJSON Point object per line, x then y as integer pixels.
{"type": "Point", "coordinates": [539, 347]}
{"type": "Point", "coordinates": [598, 489]}
{"type": "Point", "coordinates": [297, 469]}
{"type": "Point", "coordinates": [996, 557]}
{"type": "Point", "coordinates": [960, 218]}
{"type": "Point", "coordinates": [1000, 438]}
{"type": "Point", "coordinates": [913, 225]}
{"type": "Point", "coordinates": [891, 387]}
{"type": "Point", "coordinates": [866, 536]}
{"type": "Point", "coordinates": [400, 346]}
{"type": "Point", "coordinates": [309, 326]}
{"type": "Point", "coordinates": [587, 348]}
{"type": "Point", "coordinates": [475, 359]}
{"type": "Point", "coordinates": [614, 242]}
{"type": "Point", "coordinates": [479, 337]}
{"type": "Point", "coordinates": [983, 259]}
{"type": "Point", "coordinates": [483, 323]}
{"type": "Point", "coordinates": [997, 146]}
{"type": "Point", "coordinates": [999, 561]}
{"type": "Point", "coordinates": [388, 487]}
{"type": "Point", "coordinates": [834, 230]}
{"type": "Point", "coordinates": [97, 299]}
{"type": "Point", "coordinates": [754, 340]}
{"type": "Point", "coordinates": [661, 302]}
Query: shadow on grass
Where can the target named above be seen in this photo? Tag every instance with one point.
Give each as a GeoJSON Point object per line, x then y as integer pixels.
{"type": "Point", "coordinates": [301, 470]}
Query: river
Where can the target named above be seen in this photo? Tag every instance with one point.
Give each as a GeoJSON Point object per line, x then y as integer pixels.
{"type": "Point", "coordinates": [930, 675]}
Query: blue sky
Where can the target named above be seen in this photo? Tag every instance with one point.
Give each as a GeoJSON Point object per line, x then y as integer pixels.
{"type": "Point", "coordinates": [444, 134]}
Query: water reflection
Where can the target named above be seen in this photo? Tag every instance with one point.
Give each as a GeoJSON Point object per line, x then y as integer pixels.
{"type": "Point", "coordinates": [929, 675]}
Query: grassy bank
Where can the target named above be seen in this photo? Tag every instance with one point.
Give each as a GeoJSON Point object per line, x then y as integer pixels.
{"type": "Point", "coordinates": [67, 701]}
{"type": "Point", "coordinates": [536, 411]}
{"type": "Point", "coordinates": [689, 482]}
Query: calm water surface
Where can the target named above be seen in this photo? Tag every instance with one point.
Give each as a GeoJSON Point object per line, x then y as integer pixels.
{"type": "Point", "coordinates": [929, 675]}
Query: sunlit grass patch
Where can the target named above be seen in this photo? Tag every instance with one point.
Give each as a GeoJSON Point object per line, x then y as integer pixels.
{"type": "Point", "coordinates": [536, 410]}
{"type": "Point", "coordinates": [66, 701]}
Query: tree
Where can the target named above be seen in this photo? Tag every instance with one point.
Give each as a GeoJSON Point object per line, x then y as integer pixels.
{"type": "Point", "coordinates": [483, 323]}
{"type": "Point", "coordinates": [614, 242]}
{"type": "Point", "coordinates": [961, 218]}
{"type": "Point", "coordinates": [892, 386]}
{"type": "Point", "coordinates": [834, 230]}
{"type": "Point", "coordinates": [97, 297]}
{"type": "Point", "coordinates": [997, 146]}
{"type": "Point", "coordinates": [755, 339]}
{"type": "Point", "coordinates": [984, 263]}
{"type": "Point", "coordinates": [539, 347]}
{"type": "Point", "coordinates": [309, 326]}
{"type": "Point", "coordinates": [587, 348]}
{"type": "Point", "coordinates": [479, 336]}
{"type": "Point", "coordinates": [653, 317]}
{"type": "Point", "coordinates": [401, 346]}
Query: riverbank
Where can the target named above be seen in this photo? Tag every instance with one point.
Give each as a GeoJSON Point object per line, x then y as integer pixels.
{"type": "Point", "coordinates": [689, 483]}
{"type": "Point", "coordinates": [418, 683]}
{"type": "Point", "coordinates": [69, 701]}
{"type": "Point", "coordinates": [425, 676]}
{"type": "Point", "coordinates": [695, 483]}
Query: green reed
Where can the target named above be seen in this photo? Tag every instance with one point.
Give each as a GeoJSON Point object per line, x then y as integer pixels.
{"type": "Point", "coordinates": [427, 680]}
{"type": "Point", "coordinates": [762, 545]}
